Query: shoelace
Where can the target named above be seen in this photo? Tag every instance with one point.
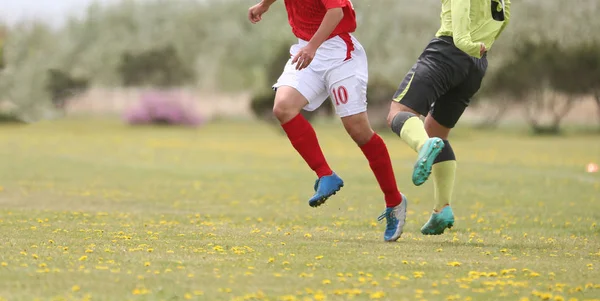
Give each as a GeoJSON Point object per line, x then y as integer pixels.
{"type": "Point", "coordinates": [385, 214]}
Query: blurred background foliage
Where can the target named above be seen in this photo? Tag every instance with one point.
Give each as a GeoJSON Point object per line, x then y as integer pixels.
{"type": "Point", "coordinates": [548, 58]}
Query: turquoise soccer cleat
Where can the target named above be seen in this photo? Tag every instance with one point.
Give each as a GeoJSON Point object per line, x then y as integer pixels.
{"type": "Point", "coordinates": [422, 169]}
{"type": "Point", "coordinates": [438, 222]}
{"type": "Point", "coordinates": [325, 187]}
{"type": "Point", "coordinates": [395, 218]}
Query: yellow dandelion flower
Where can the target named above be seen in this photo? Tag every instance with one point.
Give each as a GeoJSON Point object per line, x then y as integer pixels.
{"type": "Point", "coordinates": [4, 264]}
{"type": "Point", "coordinates": [454, 264]}
{"type": "Point", "coordinates": [326, 281]}
{"type": "Point", "coordinates": [139, 291]}
{"type": "Point", "coordinates": [83, 258]}
{"type": "Point", "coordinates": [146, 264]}
{"type": "Point", "coordinates": [89, 251]}
{"type": "Point", "coordinates": [307, 235]}
{"type": "Point", "coordinates": [188, 296]}
{"type": "Point", "coordinates": [377, 295]}
{"type": "Point", "coordinates": [75, 288]}
{"type": "Point", "coordinates": [319, 257]}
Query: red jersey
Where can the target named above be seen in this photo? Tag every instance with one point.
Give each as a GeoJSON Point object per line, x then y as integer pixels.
{"type": "Point", "coordinates": [305, 17]}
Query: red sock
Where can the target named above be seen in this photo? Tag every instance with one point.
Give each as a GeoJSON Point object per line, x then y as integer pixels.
{"type": "Point", "coordinates": [304, 139]}
{"type": "Point", "coordinates": [381, 164]}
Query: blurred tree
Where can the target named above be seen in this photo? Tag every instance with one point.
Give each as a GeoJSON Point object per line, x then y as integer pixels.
{"type": "Point", "coordinates": [530, 80]}
{"type": "Point", "coordinates": [61, 86]}
{"type": "Point", "coordinates": [160, 67]}
{"type": "Point", "coordinates": [578, 72]}
{"type": "Point", "coordinates": [2, 38]}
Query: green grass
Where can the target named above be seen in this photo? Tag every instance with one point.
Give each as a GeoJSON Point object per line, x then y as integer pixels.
{"type": "Point", "coordinates": [99, 211]}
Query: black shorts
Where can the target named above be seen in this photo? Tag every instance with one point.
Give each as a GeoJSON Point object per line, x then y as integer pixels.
{"type": "Point", "coordinates": [442, 82]}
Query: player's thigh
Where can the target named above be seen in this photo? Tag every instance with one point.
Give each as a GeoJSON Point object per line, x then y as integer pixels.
{"type": "Point", "coordinates": [347, 88]}
{"type": "Point", "coordinates": [449, 108]}
{"type": "Point", "coordinates": [306, 83]}
{"type": "Point", "coordinates": [421, 87]}
{"type": "Point", "coordinates": [439, 68]}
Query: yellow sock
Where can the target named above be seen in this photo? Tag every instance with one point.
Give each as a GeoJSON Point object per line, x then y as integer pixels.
{"type": "Point", "coordinates": [413, 133]}
{"type": "Point", "coordinates": [443, 183]}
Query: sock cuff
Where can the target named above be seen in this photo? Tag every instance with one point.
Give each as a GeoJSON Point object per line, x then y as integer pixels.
{"type": "Point", "coordinates": [447, 154]}
{"type": "Point", "coordinates": [399, 121]}
{"type": "Point", "coordinates": [295, 125]}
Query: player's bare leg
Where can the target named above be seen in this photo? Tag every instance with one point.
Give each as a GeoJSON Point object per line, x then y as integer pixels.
{"type": "Point", "coordinates": [288, 104]}
{"type": "Point", "coordinates": [405, 122]}
{"type": "Point", "coordinates": [376, 152]}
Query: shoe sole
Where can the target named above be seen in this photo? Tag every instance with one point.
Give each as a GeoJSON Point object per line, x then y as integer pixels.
{"type": "Point", "coordinates": [422, 168]}
{"type": "Point", "coordinates": [324, 198]}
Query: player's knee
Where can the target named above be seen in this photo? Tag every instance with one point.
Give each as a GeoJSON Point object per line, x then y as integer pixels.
{"type": "Point", "coordinates": [396, 122]}
{"type": "Point", "coordinates": [396, 109]}
{"type": "Point", "coordinates": [284, 112]}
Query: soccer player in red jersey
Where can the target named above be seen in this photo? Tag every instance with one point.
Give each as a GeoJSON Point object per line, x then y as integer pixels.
{"type": "Point", "coordinates": [328, 61]}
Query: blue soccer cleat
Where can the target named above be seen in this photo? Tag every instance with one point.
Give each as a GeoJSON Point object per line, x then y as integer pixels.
{"type": "Point", "coordinates": [325, 187]}
{"type": "Point", "coordinates": [438, 222]}
{"type": "Point", "coordinates": [430, 150]}
{"type": "Point", "coordinates": [395, 218]}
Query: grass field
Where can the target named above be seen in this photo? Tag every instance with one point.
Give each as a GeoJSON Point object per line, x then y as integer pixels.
{"type": "Point", "coordinates": [96, 210]}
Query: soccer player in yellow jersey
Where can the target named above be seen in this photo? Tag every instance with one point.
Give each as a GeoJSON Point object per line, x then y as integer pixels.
{"type": "Point", "coordinates": [439, 86]}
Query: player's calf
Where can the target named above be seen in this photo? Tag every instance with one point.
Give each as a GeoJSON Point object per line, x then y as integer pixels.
{"type": "Point", "coordinates": [358, 127]}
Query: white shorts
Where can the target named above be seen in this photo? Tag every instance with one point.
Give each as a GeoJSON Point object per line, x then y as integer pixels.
{"type": "Point", "coordinates": [339, 70]}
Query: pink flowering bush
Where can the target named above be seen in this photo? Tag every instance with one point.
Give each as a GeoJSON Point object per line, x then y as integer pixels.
{"type": "Point", "coordinates": [166, 108]}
